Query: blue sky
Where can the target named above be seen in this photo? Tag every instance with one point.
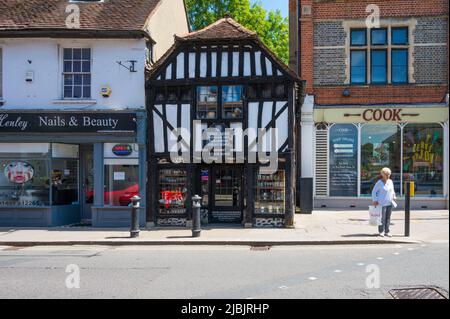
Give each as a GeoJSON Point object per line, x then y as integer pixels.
{"type": "Point", "coordinates": [282, 5]}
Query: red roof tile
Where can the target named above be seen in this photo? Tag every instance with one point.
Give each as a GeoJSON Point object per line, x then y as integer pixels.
{"type": "Point", "coordinates": [51, 14]}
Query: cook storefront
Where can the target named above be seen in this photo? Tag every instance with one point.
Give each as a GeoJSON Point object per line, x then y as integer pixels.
{"type": "Point", "coordinates": [352, 144]}
{"type": "Point", "coordinates": [60, 168]}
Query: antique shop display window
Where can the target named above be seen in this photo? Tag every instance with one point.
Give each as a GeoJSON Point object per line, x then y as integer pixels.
{"type": "Point", "coordinates": [380, 147]}
{"type": "Point", "coordinates": [232, 106]}
{"type": "Point", "coordinates": [172, 191]}
{"type": "Point", "coordinates": [270, 194]}
{"type": "Point", "coordinates": [121, 163]}
{"type": "Point", "coordinates": [423, 158]}
{"type": "Point", "coordinates": [207, 102]}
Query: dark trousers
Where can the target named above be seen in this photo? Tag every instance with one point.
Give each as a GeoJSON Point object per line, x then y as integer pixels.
{"type": "Point", "coordinates": [385, 220]}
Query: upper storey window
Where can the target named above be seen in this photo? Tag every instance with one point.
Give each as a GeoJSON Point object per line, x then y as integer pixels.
{"type": "Point", "coordinates": [377, 58]}
{"type": "Point", "coordinates": [77, 73]}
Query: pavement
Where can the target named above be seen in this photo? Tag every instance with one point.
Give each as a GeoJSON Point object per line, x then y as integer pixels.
{"type": "Point", "coordinates": [323, 227]}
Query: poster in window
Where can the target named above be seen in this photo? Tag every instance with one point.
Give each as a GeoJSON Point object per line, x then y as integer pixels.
{"type": "Point", "coordinates": [19, 172]}
{"type": "Point", "coordinates": [343, 170]}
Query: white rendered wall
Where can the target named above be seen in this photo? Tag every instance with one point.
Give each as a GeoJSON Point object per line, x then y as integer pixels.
{"type": "Point", "coordinates": [307, 137]}
{"type": "Point", "coordinates": [45, 92]}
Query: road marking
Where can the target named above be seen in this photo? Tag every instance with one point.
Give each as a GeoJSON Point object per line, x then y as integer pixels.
{"type": "Point", "coordinates": [338, 271]}
{"type": "Point", "coordinates": [282, 287]}
{"type": "Point", "coordinates": [360, 264]}
{"type": "Point", "coordinates": [396, 254]}
{"type": "Point", "coordinates": [312, 278]}
{"type": "Point", "coordinates": [410, 249]}
{"type": "Point", "coordinates": [380, 258]}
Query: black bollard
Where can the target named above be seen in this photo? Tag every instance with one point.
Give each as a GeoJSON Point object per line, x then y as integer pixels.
{"type": "Point", "coordinates": [408, 209]}
{"type": "Point", "coordinates": [196, 218]}
{"type": "Point", "coordinates": [134, 232]}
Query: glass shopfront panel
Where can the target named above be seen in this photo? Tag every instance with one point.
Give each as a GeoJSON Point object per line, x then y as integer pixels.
{"type": "Point", "coordinates": [343, 162]}
{"type": "Point", "coordinates": [121, 173]}
{"type": "Point", "coordinates": [423, 161]}
{"type": "Point", "coordinates": [33, 176]}
{"type": "Point", "coordinates": [380, 147]}
{"type": "Point", "coordinates": [270, 193]}
{"type": "Point", "coordinates": [172, 191]}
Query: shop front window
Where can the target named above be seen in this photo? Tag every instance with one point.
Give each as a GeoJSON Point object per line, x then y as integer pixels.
{"type": "Point", "coordinates": [380, 147]}
{"type": "Point", "coordinates": [121, 173]}
{"type": "Point", "coordinates": [24, 182]}
{"type": "Point", "coordinates": [343, 164]}
{"type": "Point", "coordinates": [172, 191]}
{"type": "Point", "coordinates": [270, 193]}
{"type": "Point", "coordinates": [64, 182]}
{"type": "Point", "coordinates": [423, 158]}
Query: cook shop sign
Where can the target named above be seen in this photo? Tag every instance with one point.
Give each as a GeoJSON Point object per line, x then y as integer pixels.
{"type": "Point", "coordinates": [67, 122]}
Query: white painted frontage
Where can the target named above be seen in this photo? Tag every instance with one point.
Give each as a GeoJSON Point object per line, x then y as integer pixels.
{"type": "Point", "coordinates": [43, 57]}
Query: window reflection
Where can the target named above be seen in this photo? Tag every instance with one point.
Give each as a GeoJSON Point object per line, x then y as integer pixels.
{"type": "Point", "coordinates": [232, 101]}
{"type": "Point", "coordinates": [207, 102]}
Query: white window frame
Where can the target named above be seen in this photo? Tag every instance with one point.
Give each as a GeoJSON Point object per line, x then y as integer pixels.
{"type": "Point", "coordinates": [81, 73]}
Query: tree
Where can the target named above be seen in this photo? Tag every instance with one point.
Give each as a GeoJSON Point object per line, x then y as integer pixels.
{"type": "Point", "coordinates": [271, 27]}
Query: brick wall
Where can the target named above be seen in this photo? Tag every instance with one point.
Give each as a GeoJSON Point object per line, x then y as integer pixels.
{"type": "Point", "coordinates": [324, 67]}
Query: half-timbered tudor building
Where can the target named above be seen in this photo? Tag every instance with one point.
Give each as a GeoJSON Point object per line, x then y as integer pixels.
{"type": "Point", "coordinates": [222, 77]}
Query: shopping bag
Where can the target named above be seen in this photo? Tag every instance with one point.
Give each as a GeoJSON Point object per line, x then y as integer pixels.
{"type": "Point", "coordinates": [375, 214]}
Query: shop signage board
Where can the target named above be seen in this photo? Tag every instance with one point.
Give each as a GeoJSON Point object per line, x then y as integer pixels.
{"type": "Point", "coordinates": [343, 160]}
{"type": "Point", "coordinates": [381, 115]}
{"type": "Point", "coordinates": [15, 122]}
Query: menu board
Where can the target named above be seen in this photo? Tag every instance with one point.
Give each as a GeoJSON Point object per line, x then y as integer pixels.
{"type": "Point", "coordinates": [343, 171]}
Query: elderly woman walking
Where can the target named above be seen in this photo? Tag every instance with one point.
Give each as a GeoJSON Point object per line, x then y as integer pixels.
{"type": "Point", "coordinates": [383, 194]}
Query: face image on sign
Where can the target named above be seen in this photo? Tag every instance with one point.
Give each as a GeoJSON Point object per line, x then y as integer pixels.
{"type": "Point", "coordinates": [19, 172]}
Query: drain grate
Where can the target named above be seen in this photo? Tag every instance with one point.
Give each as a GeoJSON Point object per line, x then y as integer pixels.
{"type": "Point", "coordinates": [417, 293]}
{"type": "Point", "coordinates": [260, 248]}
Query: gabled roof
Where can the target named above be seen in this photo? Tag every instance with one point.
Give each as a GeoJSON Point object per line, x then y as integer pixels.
{"type": "Point", "coordinates": [225, 28]}
{"type": "Point", "coordinates": [225, 31]}
{"type": "Point", "coordinates": [45, 15]}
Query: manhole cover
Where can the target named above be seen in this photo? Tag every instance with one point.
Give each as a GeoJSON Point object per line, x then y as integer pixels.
{"type": "Point", "coordinates": [417, 293]}
{"type": "Point", "coordinates": [260, 248]}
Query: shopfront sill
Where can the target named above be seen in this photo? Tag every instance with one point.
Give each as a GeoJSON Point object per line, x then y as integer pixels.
{"type": "Point", "coordinates": [75, 102]}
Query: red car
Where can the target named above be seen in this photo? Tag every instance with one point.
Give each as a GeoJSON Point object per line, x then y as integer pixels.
{"type": "Point", "coordinates": [118, 197]}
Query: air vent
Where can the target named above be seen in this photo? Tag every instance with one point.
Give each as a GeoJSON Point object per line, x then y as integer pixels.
{"type": "Point", "coordinates": [306, 10]}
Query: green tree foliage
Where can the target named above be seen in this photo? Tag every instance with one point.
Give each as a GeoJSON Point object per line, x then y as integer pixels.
{"type": "Point", "coordinates": [271, 27]}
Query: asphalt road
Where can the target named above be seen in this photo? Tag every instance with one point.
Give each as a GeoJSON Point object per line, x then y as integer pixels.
{"type": "Point", "coordinates": [220, 272]}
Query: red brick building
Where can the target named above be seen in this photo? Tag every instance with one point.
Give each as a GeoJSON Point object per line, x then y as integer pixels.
{"type": "Point", "coordinates": [377, 95]}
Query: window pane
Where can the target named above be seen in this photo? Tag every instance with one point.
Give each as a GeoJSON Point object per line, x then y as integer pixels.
{"type": "Point", "coordinates": [379, 36]}
{"type": "Point", "coordinates": [207, 102]}
{"type": "Point", "coordinates": [67, 66]}
{"type": "Point", "coordinates": [64, 182]}
{"type": "Point", "coordinates": [86, 79]}
{"type": "Point", "coordinates": [86, 92]}
{"type": "Point", "coordinates": [379, 69]}
{"type": "Point", "coordinates": [67, 54]}
{"type": "Point", "coordinates": [423, 158]}
{"type": "Point", "coordinates": [380, 147]}
{"type": "Point", "coordinates": [86, 67]}
{"type": "Point", "coordinates": [77, 54]}
{"type": "Point", "coordinates": [232, 101]}
{"type": "Point", "coordinates": [121, 184]}
{"type": "Point", "coordinates": [358, 37]}
{"type": "Point", "coordinates": [24, 182]}
{"type": "Point", "coordinates": [77, 79]}
{"type": "Point", "coordinates": [399, 66]}
{"type": "Point", "coordinates": [67, 91]}
{"type": "Point", "coordinates": [270, 193]}
{"type": "Point", "coordinates": [68, 79]}
{"type": "Point", "coordinates": [86, 54]}
{"type": "Point", "coordinates": [400, 36]}
{"type": "Point", "coordinates": [77, 91]}
{"type": "Point", "coordinates": [76, 66]}
{"type": "Point", "coordinates": [358, 67]}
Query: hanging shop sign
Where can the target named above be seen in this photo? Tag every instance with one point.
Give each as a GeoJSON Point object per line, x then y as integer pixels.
{"type": "Point", "coordinates": [67, 122]}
